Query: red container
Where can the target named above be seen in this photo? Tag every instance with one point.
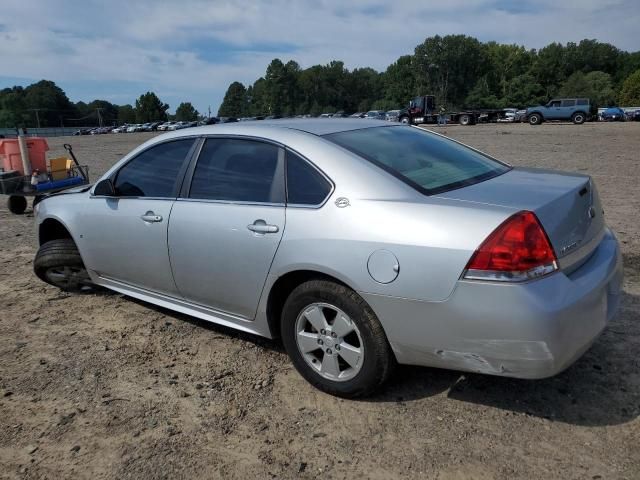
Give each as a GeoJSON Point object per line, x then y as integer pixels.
{"type": "Point", "coordinates": [10, 154]}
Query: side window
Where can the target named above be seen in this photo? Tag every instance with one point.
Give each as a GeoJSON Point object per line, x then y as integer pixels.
{"type": "Point", "coordinates": [238, 171]}
{"type": "Point", "coordinates": [305, 185]}
{"type": "Point", "coordinates": [568, 103]}
{"type": "Point", "coordinates": [154, 172]}
{"type": "Point", "coordinates": [554, 103]}
{"type": "Point", "coordinates": [583, 101]}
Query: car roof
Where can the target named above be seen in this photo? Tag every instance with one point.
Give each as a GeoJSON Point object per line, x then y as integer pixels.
{"type": "Point", "coordinates": [315, 126]}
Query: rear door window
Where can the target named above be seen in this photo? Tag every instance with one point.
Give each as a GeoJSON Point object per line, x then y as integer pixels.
{"type": "Point", "coordinates": [568, 103]}
{"type": "Point", "coordinates": [238, 170]}
{"type": "Point", "coordinates": [429, 163]}
{"type": "Point", "coordinates": [154, 172]}
{"type": "Point", "coordinates": [305, 184]}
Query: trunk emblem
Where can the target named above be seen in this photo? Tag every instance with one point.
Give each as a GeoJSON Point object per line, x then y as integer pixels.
{"type": "Point", "coordinates": [569, 247]}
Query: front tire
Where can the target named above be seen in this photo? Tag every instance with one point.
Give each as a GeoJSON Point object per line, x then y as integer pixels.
{"type": "Point", "coordinates": [465, 119]}
{"type": "Point", "coordinates": [334, 339]}
{"type": "Point", "coordinates": [405, 120]}
{"type": "Point", "coordinates": [58, 263]}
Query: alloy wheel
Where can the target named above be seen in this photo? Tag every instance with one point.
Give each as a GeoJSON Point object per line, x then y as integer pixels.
{"type": "Point", "coordinates": [329, 341]}
{"type": "Point", "coordinates": [68, 276]}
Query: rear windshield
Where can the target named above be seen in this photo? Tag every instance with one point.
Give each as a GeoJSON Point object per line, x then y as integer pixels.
{"type": "Point", "coordinates": [429, 163]}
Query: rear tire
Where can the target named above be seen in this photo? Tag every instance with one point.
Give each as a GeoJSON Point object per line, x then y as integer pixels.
{"type": "Point", "coordinates": [405, 120]}
{"type": "Point", "coordinates": [465, 119]}
{"type": "Point", "coordinates": [578, 118]}
{"type": "Point", "coordinates": [17, 204]}
{"type": "Point", "coordinates": [348, 337]}
{"type": "Point", "coordinates": [58, 263]}
{"type": "Point", "coordinates": [535, 119]}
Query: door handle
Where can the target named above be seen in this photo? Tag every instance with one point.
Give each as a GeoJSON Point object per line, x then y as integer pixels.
{"type": "Point", "coordinates": [260, 226]}
{"type": "Point", "coordinates": [151, 217]}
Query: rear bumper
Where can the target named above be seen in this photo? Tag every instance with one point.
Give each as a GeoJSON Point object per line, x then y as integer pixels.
{"type": "Point", "coordinates": [531, 330]}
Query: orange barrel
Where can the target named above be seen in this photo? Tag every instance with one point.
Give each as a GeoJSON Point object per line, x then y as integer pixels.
{"type": "Point", "coordinates": [10, 154]}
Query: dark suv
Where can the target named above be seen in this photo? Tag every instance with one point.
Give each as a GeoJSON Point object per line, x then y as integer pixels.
{"type": "Point", "coordinates": [576, 110]}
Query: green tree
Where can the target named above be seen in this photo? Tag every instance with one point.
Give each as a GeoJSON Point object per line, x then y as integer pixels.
{"type": "Point", "coordinates": [506, 62]}
{"type": "Point", "coordinates": [627, 64]}
{"type": "Point", "coordinates": [126, 114]}
{"type": "Point", "coordinates": [399, 81]}
{"type": "Point", "coordinates": [592, 55]}
{"type": "Point", "coordinates": [13, 111]}
{"type": "Point", "coordinates": [524, 91]}
{"type": "Point", "coordinates": [149, 108]}
{"type": "Point", "coordinates": [550, 67]}
{"type": "Point", "coordinates": [186, 112]}
{"type": "Point", "coordinates": [594, 85]}
{"type": "Point", "coordinates": [481, 96]}
{"type": "Point", "coordinates": [235, 102]}
{"type": "Point", "coordinates": [449, 66]}
{"type": "Point", "coordinates": [363, 85]}
{"type": "Point", "coordinates": [257, 98]}
{"type": "Point", "coordinates": [93, 112]}
{"type": "Point", "coordinates": [630, 93]}
{"type": "Point", "coordinates": [384, 105]}
{"type": "Point", "coordinates": [47, 103]}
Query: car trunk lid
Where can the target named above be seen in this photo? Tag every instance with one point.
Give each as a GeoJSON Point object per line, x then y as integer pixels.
{"type": "Point", "coordinates": [567, 205]}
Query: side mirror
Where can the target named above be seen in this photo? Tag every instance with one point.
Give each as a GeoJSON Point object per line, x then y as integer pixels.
{"type": "Point", "coordinates": [105, 188]}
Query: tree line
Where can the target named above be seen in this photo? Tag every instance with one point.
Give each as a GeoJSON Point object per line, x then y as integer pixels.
{"type": "Point", "coordinates": [46, 104]}
{"type": "Point", "coordinates": [459, 70]}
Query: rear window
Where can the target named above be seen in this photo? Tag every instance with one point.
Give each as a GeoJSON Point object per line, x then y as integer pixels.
{"type": "Point", "coordinates": [429, 163]}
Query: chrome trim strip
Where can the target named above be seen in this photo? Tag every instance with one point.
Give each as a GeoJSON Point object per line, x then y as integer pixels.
{"type": "Point", "coordinates": [513, 277]}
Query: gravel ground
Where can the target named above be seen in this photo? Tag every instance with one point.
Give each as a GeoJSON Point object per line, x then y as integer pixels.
{"type": "Point", "coordinates": [103, 386]}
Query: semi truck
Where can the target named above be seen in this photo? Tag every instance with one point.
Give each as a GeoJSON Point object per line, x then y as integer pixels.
{"type": "Point", "coordinates": [422, 109]}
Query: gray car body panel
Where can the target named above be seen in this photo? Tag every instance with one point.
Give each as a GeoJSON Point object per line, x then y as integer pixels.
{"type": "Point", "coordinates": [430, 316]}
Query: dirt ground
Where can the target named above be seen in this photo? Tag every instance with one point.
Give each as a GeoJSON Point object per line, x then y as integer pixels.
{"type": "Point", "coordinates": [103, 386]}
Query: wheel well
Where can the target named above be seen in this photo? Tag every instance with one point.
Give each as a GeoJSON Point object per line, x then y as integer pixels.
{"type": "Point", "coordinates": [52, 229]}
{"type": "Point", "coordinates": [536, 113]}
{"type": "Point", "coordinates": [281, 290]}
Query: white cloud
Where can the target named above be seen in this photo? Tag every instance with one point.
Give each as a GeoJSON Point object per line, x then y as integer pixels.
{"type": "Point", "coordinates": [153, 44]}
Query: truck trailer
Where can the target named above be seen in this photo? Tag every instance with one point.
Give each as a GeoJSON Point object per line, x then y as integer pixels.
{"type": "Point", "coordinates": [422, 109]}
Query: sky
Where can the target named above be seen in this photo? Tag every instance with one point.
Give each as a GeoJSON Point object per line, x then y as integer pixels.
{"type": "Point", "coordinates": [191, 50]}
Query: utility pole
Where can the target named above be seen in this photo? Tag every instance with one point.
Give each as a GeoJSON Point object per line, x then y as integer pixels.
{"type": "Point", "coordinates": [37, 115]}
{"type": "Point", "coordinates": [209, 111]}
{"type": "Point", "coordinates": [98, 111]}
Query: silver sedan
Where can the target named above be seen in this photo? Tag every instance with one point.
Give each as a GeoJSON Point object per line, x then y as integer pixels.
{"type": "Point", "coordinates": [360, 243]}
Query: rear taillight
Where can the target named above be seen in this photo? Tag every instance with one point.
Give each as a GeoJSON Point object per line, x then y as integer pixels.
{"type": "Point", "coordinates": [516, 251]}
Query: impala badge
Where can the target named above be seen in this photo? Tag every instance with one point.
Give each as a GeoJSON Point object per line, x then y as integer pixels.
{"type": "Point", "coordinates": [342, 202]}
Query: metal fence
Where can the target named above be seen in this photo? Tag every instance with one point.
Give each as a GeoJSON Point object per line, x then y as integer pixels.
{"type": "Point", "coordinates": [43, 132]}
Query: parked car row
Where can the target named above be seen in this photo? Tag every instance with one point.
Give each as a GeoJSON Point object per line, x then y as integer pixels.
{"type": "Point", "coordinates": [617, 114]}
{"type": "Point", "coordinates": [575, 110]}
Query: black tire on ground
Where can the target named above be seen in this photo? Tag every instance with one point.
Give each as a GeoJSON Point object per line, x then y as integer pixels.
{"type": "Point", "coordinates": [17, 204]}
{"type": "Point", "coordinates": [535, 119]}
{"type": "Point", "coordinates": [465, 119]}
{"type": "Point", "coordinates": [578, 118]}
{"type": "Point", "coordinates": [58, 263]}
{"type": "Point", "coordinates": [379, 360]}
{"type": "Point", "coordinates": [405, 120]}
